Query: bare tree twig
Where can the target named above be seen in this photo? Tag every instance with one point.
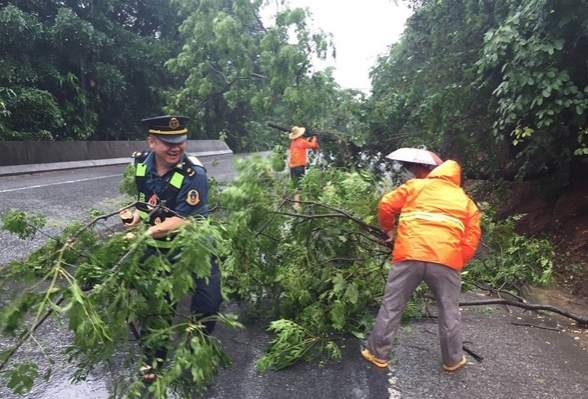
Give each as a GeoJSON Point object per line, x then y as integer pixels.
{"type": "Point", "coordinates": [496, 291]}
{"type": "Point", "coordinates": [583, 320]}
{"type": "Point", "coordinates": [472, 353]}
{"type": "Point", "coordinates": [340, 214]}
{"type": "Point", "coordinates": [268, 221]}
{"type": "Point", "coordinates": [333, 260]}
{"type": "Point", "coordinates": [535, 326]}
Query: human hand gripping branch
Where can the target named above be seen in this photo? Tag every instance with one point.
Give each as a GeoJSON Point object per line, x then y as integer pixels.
{"type": "Point", "coordinates": [163, 229]}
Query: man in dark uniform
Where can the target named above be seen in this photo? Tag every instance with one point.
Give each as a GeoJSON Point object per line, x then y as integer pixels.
{"type": "Point", "coordinates": [166, 176]}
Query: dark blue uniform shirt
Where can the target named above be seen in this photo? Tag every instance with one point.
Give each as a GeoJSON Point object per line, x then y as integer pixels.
{"type": "Point", "coordinates": [198, 181]}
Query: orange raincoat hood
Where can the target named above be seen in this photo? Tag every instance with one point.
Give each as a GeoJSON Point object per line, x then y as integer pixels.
{"type": "Point", "coordinates": [448, 170]}
{"type": "Point", "coordinates": [437, 221]}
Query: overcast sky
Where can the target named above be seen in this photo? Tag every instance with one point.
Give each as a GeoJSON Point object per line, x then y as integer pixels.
{"type": "Point", "coordinates": [361, 29]}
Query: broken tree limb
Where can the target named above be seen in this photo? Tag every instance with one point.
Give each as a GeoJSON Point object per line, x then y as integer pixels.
{"type": "Point", "coordinates": [535, 326]}
{"type": "Point", "coordinates": [374, 230]}
{"type": "Point", "coordinates": [497, 291]}
{"type": "Point", "coordinates": [464, 348]}
{"type": "Point", "coordinates": [581, 320]}
{"type": "Point", "coordinates": [27, 334]}
{"type": "Point", "coordinates": [472, 353]}
{"type": "Point", "coordinates": [279, 127]}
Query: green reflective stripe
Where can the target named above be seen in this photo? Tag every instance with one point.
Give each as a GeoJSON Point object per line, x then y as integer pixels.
{"type": "Point", "coordinates": [141, 168]}
{"type": "Point", "coordinates": [177, 180]}
{"type": "Point", "coordinates": [144, 215]}
{"type": "Point", "coordinates": [434, 217]}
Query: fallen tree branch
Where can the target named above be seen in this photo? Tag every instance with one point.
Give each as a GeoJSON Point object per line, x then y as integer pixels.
{"type": "Point", "coordinates": [465, 349]}
{"type": "Point", "coordinates": [535, 325]}
{"type": "Point", "coordinates": [581, 320]}
{"type": "Point", "coordinates": [472, 353]}
{"type": "Point", "coordinates": [27, 334]}
{"type": "Point", "coordinates": [497, 291]}
{"type": "Point", "coordinates": [374, 230]}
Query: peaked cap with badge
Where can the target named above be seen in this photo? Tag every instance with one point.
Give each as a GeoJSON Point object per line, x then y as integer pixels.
{"type": "Point", "coordinates": [171, 129]}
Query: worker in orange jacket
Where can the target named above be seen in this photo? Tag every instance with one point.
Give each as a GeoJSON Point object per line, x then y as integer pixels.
{"type": "Point", "coordinates": [298, 156]}
{"type": "Point", "coordinates": [437, 234]}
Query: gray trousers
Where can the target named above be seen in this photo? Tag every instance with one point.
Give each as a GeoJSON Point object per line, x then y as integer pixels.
{"type": "Point", "coordinates": [403, 279]}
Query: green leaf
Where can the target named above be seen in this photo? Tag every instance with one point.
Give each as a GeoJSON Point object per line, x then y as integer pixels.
{"type": "Point", "coordinates": [559, 44]}
{"type": "Point", "coordinates": [338, 283]}
{"type": "Point", "coordinates": [21, 377]}
{"type": "Point", "coordinates": [351, 293]}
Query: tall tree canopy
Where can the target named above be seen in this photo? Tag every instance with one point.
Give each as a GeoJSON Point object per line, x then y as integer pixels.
{"type": "Point", "coordinates": [85, 70]}
{"type": "Point", "coordinates": [498, 84]}
{"type": "Point", "coordinates": [77, 70]}
{"type": "Point", "coordinates": [239, 73]}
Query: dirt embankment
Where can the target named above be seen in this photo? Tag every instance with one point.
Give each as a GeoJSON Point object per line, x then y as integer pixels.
{"type": "Point", "coordinates": [563, 221]}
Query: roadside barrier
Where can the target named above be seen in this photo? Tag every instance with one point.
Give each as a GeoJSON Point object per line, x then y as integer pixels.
{"type": "Point", "coordinates": [19, 157]}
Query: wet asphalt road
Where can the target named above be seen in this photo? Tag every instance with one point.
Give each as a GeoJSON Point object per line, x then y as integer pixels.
{"type": "Point", "coordinates": [519, 362]}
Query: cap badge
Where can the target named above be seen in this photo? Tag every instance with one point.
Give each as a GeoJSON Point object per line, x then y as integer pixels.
{"type": "Point", "coordinates": [174, 123]}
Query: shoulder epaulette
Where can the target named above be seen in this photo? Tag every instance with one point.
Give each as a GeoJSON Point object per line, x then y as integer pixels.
{"type": "Point", "coordinates": [189, 164]}
{"type": "Point", "coordinates": [195, 161]}
{"type": "Point", "coordinates": [140, 154]}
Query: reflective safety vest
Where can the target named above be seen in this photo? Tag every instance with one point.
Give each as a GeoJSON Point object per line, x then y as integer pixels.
{"type": "Point", "coordinates": [150, 200]}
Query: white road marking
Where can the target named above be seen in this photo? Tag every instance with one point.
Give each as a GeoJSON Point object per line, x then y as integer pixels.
{"type": "Point", "coordinates": [55, 184]}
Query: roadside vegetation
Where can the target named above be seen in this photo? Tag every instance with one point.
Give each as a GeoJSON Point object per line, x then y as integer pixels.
{"type": "Point", "coordinates": [501, 86]}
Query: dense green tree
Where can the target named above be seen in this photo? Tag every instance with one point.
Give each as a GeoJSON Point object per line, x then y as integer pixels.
{"type": "Point", "coordinates": [238, 73]}
{"type": "Point", "coordinates": [539, 51]}
{"type": "Point", "coordinates": [496, 84]}
{"type": "Point", "coordinates": [424, 90]}
{"type": "Point", "coordinates": [90, 70]}
{"type": "Point", "coordinates": [76, 70]}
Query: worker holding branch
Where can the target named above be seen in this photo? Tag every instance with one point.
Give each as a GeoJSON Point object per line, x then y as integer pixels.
{"type": "Point", "coordinates": [299, 157]}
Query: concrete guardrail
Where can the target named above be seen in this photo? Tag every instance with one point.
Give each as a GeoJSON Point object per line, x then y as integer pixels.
{"type": "Point", "coordinates": [19, 157]}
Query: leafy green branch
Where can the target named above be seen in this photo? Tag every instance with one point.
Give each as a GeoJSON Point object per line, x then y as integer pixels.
{"type": "Point", "coordinates": [104, 293]}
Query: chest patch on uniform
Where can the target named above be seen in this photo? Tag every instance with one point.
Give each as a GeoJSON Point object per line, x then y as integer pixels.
{"type": "Point", "coordinates": [193, 197]}
{"type": "Point", "coordinates": [152, 201]}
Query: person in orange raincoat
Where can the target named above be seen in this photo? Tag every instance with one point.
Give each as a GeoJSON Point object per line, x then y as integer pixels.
{"type": "Point", "coordinates": [437, 234]}
{"type": "Point", "coordinates": [298, 155]}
